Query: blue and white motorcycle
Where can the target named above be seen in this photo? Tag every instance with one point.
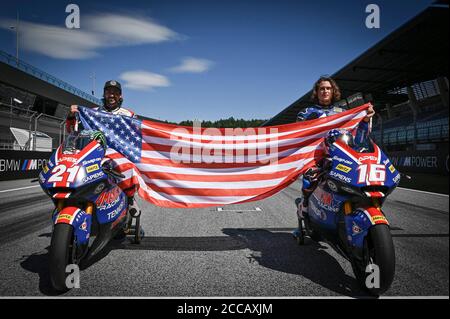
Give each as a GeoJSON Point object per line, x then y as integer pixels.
{"type": "Point", "coordinates": [90, 209]}
{"type": "Point", "coordinates": [345, 209]}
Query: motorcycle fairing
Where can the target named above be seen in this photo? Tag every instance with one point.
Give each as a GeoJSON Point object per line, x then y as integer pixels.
{"type": "Point", "coordinates": [346, 168]}
{"type": "Point", "coordinates": [324, 206]}
{"type": "Point", "coordinates": [360, 221]}
{"type": "Point", "coordinates": [78, 218]}
{"type": "Point", "coordinates": [110, 204]}
{"type": "Point", "coordinates": [73, 170]}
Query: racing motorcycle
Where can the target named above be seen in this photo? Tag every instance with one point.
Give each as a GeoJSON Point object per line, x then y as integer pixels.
{"type": "Point", "coordinates": [345, 209]}
{"type": "Point", "coordinates": [90, 209]}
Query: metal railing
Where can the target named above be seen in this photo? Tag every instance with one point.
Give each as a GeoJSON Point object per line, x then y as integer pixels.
{"type": "Point", "coordinates": [28, 68]}
{"type": "Point", "coordinates": [33, 122]}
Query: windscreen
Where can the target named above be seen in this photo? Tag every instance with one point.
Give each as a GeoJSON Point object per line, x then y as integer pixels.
{"type": "Point", "coordinates": [76, 142]}
{"type": "Point", "coordinates": [364, 146]}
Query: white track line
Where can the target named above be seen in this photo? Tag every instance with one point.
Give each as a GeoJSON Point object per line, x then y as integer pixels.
{"type": "Point", "coordinates": [418, 191]}
{"type": "Point", "coordinates": [17, 189]}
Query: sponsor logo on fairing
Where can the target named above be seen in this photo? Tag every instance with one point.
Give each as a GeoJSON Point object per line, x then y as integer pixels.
{"type": "Point", "coordinates": [365, 158]}
{"type": "Point", "coordinates": [68, 159]}
{"type": "Point", "coordinates": [83, 226]}
{"type": "Point", "coordinates": [92, 168]}
{"type": "Point", "coordinates": [341, 177]}
{"type": "Point", "coordinates": [64, 216]}
{"type": "Point", "coordinates": [116, 211]}
{"type": "Point", "coordinates": [378, 218]}
{"type": "Point", "coordinates": [318, 212]}
{"type": "Point", "coordinates": [342, 160]}
{"type": "Point", "coordinates": [92, 177]}
{"type": "Point", "coordinates": [356, 229]}
{"type": "Point", "coordinates": [108, 199]}
{"type": "Point", "coordinates": [91, 161]}
{"type": "Point", "coordinates": [396, 179]}
{"type": "Point", "coordinates": [326, 201]}
{"type": "Point", "coordinates": [343, 168]}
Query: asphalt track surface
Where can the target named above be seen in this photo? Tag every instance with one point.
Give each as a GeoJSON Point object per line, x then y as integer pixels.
{"type": "Point", "coordinates": [239, 251]}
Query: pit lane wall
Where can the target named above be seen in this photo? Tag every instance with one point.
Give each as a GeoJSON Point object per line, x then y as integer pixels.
{"type": "Point", "coordinates": [21, 164]}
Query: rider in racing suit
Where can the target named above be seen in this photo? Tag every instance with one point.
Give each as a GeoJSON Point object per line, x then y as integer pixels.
{"type": "Point", "coordinates": [325, 93]}
{"type": "Point", "coordinates": [112, 103]}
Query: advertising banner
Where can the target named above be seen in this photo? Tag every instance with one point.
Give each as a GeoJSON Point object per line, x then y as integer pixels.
{"type": "Point", "coordinates": [21, 164]}
{"type": "Point", "coordinates": [433, 162]}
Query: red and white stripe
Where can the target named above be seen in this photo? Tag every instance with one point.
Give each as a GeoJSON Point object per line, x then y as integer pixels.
{"type": "Point", "coordinates": [244, 174]}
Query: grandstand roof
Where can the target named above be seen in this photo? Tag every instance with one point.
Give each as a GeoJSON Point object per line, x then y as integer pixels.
{"type": "Point", "coordinates": [415, 52]}
{"type": "Point", "coordinates": [31, 79]}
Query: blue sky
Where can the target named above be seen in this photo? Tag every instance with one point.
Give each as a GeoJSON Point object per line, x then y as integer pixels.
{"type": "Point", "coordinates": [184, 60]}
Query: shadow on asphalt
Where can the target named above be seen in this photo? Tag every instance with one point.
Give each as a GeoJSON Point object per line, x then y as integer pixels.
{"type": "Point", "coordinates": [273, 248]}
{"type": "Point", "coordinates": [38, 263]}
{"type": "Point", "coordinates": [280, 252]}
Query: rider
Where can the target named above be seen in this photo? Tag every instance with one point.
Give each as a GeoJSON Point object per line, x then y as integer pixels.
{"type": "Point", "coordinates": [326, 92]}
{"type": "Point", "coordinates": [112, 103]}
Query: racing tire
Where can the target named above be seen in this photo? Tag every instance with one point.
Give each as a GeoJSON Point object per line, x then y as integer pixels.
{"type": "Point", "coordinates": [378, 250]}
{"type": "Point", "coordinates": [60, 255]}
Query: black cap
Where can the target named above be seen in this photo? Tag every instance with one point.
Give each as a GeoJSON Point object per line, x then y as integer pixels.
{"type": "Point", "coordinates": [112, 83]}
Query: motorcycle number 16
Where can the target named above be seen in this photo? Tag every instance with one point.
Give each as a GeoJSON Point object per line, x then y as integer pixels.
{"type": "Point", "coordinates": [371, 173]}
{"type": "Point", "coordinates": [61, 171]}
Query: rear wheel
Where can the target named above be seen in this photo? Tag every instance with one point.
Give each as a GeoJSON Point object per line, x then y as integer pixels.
{"type": "Point", "coordinates": [378, 260]}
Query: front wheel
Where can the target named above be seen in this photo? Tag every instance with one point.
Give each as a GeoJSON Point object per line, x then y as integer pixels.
{"type": "Point", "coordinates": [63, 252]}
{"type": "Point", "coordinates": [378, 261]}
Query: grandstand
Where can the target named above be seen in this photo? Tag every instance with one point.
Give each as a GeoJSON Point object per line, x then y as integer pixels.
{"type": "Point", "coordinates": [33, 100]}
{"type": "Point", "coordinates": [405, 77]}
{"type": "Point", "coordinates": [423, 126]}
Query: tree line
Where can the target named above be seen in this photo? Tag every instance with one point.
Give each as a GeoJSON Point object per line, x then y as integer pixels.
{"type": "Point", "coordinates": [229, 122]}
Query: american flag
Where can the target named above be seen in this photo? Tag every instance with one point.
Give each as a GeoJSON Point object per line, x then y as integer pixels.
{"type": "Point", "coordinates": [190, 167]}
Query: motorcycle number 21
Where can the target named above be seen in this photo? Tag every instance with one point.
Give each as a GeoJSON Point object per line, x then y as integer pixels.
{"type": "Point", "coordinates": [371, 173]}
{"type": "Point", "coordinates": [60, 170]}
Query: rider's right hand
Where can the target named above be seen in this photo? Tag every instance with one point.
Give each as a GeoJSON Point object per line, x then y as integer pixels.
{"type": "Point", "coordinates": [73, 109]}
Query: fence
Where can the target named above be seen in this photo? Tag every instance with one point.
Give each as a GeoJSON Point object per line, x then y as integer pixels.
{"type": "Point", "coordinates": [33, 123]}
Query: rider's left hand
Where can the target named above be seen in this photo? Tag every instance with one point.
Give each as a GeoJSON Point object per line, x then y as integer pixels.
{"type": "Point", "coordinates": [370, 113]}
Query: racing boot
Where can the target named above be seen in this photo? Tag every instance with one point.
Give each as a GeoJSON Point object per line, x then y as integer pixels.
{"type": "Point", "coordinates": [299, 232]}
{"type": "Point", "coordinates": [135, 213]}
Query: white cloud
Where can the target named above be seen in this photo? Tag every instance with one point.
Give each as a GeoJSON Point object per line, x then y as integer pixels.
{"type": "Point", "coordinates": [119, 29]}
{"type": "Point", "coordinates": [96, 32]}
{"type": "Point", "coordinates": [193, 65]}
{"type": "Point", "coordinates": [56, 42]}
{"type": "Point", "coordinates": [143, 80]}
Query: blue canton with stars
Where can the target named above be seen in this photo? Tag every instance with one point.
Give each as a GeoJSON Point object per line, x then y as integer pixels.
{"type": "Point", "coordinates": [123, 133]}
